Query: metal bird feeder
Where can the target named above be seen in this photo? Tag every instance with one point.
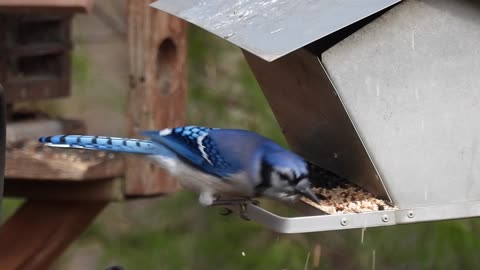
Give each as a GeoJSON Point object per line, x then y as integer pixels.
{"type": "Point", "coordinates": [382, 93]}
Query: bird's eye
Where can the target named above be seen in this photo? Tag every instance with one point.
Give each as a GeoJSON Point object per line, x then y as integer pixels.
{"type": "Point", "coordinates": [283, 176]}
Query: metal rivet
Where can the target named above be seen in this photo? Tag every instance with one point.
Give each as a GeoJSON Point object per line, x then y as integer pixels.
{"type": "Point", "coordinates": [411, 214]}
{"type": "Point", "coordinates": [344, 222]}
{"type": "Point", "coordinates": [385, 218]}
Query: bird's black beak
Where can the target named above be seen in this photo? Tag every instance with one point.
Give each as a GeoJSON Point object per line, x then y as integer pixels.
{"type": "Point", "coordinates": [304, 187]}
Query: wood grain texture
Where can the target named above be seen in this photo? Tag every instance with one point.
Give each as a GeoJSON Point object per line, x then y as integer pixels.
{"type": "Point", "coordinates": [101, 190]}
{"type": "Point", "coordinates": [3, 123]}
{"type": "Point", "coordinates": [43, 163]}
{"type": "Point", "coordinates": [70, 5]}
{"type": "Point", "coordinates": [22, 130]}
{"type": "Point", "coordinates": [40, 231]}
{"type": "Point", "coordinates": [157, 97]}
{"type": "Point", "coordinates": [39, 56]}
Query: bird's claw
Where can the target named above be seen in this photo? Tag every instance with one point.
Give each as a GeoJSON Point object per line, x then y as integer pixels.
{"type": "Point", "coordinates": [226, 212]}
{"type": "Point", "coordinates": [243, 212]}
{"type": "Point", "coordinates": [242, 204]}
{"type": "Point", "coordinates": [229, 202]}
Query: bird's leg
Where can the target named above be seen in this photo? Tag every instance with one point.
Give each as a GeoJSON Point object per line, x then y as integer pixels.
{"type": "Point", "coordinates": [226, 212]}
{"type": "Point", "coordinates": [243, 212]}
{"type": "Point", "coordinates": [234, 201]}
{"type": "Point", "coordinates": [241, 202]}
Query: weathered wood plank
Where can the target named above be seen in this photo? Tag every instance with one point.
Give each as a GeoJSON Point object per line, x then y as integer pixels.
{"type": "Point", "coordinates": [37, 162]}
{"type": "Point", "coordinates": [3, 116]}
{"type": "Point", "coordinates": [33, 129]}
{"type": "Point", "coordinates": [157, 97]}
{"type": "Point", "coordinates": [24, 246]}
{"type": "Point", "coordinates": [69, 5]}
{"type": "Point", "coordinates": [101, 190]}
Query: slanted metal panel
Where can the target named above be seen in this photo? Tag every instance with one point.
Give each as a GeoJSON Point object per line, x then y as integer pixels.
{"type": "Point", "coordinates": [312, 117]}
{"type": "Point", "coordinates": [410, 82]}
{"type": "Point", "coordinates": [272, 28]}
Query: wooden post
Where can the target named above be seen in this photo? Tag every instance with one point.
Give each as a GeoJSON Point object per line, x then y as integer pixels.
{"type": "Point", "coordinates": [3, 135]}
{"type": "Point", "coordinates": [41, 230]}
{"type": "Point", "coordinates": [157, 97]}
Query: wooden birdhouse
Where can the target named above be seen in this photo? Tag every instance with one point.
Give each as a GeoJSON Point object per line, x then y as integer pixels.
{"type": "Point", "coordinates": [35, 41]}
{"type": "Point", "coordinates": [69, 189]}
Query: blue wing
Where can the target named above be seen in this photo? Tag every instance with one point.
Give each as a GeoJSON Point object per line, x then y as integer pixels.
{"type": "Point", "coordinates": [195, 146]}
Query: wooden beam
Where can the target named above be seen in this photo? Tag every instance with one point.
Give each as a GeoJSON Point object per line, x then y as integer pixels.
{"type": "Point", "coordinates": [45, 163]}
{"type": "Point", "coordinates": [101, 190]}
{"type": "Point", "coordinates": [64, 5]}
{"type": "Point", "coordinates": [3, 117]}
{"type": "Point", "coordinates": [24, 246]}
{"type": "Point", "coordinates": [157, 97]}
{"type": "Point", "coordinates": [33, 129]}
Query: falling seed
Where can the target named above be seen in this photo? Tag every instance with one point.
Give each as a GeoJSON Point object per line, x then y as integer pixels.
{"type": "Point", "coordinates": [363, 233]}
{"type": "Point", "coordinates": [276, 30]}
{"type": "Point", "coordinates": [317, 252]}
{"type": "Point", "coordinates": [243, 253]}
{"type": "Point", "coordinates": [347, 199]}
{"type": "Point", "coordinates": [229, 36]}
{"type": "Point", "coordinates": [306, 261]}
{"type": "Point", "coordinates": [373, 259]}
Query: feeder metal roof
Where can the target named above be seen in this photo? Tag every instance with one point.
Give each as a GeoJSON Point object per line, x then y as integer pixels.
{"type": "Point", "coordinates": [272, 28]}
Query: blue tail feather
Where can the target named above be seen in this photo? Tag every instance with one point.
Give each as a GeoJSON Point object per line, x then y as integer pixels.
{"type": "Point", "coordinates": [115, 144]}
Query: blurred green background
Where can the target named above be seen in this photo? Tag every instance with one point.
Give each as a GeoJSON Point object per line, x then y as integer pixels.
{"type": "Point", "coordinates": [174, 232]}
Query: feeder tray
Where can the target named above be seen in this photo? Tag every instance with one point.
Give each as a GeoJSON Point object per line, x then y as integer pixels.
{"type": "Point", "coordinates": [382, 93]}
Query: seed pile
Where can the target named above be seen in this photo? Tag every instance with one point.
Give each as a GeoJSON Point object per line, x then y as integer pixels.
{"type": "Point", "coordinates": [338, 196]}
{"type": "Point", "coordinates": [347, 200]}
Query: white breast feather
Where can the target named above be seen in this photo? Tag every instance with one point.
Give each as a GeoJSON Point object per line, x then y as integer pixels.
{"type": "Point", "coordinates": [197, 181]}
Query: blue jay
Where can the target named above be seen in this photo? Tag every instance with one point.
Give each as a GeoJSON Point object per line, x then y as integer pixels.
{"type": "Point", "coordinates": [215, 163]}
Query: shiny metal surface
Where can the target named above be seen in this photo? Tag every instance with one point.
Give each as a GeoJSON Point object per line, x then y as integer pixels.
{"type": "Point", "coordinates": [319, 223]}
{"type": "Point", "coordinates": [272, 28]}
{"type": "Point", "coordinates": [410, 83]}
{"type": "Point", "coordinates": [313, 118]}
{"type": "Point", "coordinates": [393, 107]}
{"type": "Point", "coordinates": [323, 223]}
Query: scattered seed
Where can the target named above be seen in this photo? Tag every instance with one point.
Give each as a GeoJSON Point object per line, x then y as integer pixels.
{"type": "Point", "coordinates": [347, 198]}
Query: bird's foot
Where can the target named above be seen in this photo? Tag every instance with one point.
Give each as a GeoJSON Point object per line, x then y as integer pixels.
{"type": "Point", "coordinates": [239, 201]}
{"type": "Point", "coordinates": [242, 204]}
{"type": "Point", "coordinates": [226, 211]}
